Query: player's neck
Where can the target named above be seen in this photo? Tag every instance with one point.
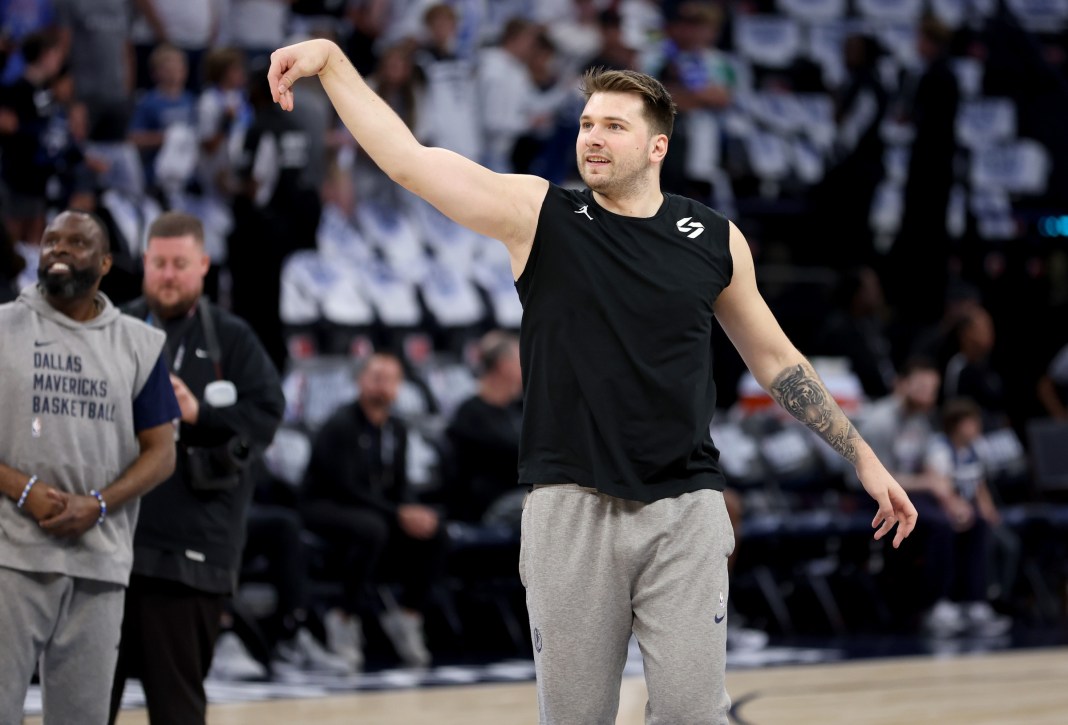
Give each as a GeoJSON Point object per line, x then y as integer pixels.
{"type": "Point", "coordinates": [642, 203]}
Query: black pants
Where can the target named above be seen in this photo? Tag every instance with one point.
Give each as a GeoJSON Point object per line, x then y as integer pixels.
{"type": "Point", "coordinates": [168, 638]}
{"type": "Point", "coordinates": [952, 564]}
{"type": "Point", "coordinates": [273, 532]}
{"type": "Point", "coordinates": [375, 549]}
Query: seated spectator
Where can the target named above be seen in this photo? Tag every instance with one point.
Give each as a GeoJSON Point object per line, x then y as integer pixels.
{"type": "Point", "coordinates": [166, 105]}
{"type": "Point", "coordinates": [614, 52]}
{"type": "Point", "coordinates": [970, 373]}
{"type": "Point", "coordinates": [504, 76]}
{"type": "Point", "coordinates": [357, 498]}
{"type": "Point", "coordinates": [856, 331]}
{"type": "Point", "coordinates": [484, 434]}
{"type": "Point", "coordinates": [698, 77]}
{"type": "Point", "coordinates": [1053, 386]}
{"type": "Point", "coordinates": [222, 112]}
{"type": "Point", "coordinates": [22, 124]}
{"type": "Point", "coordinates": [960, 487]}
{"type": "Point", "coordinates": [73, 169]}
{"type": "Point", "coordinates": [11, 265]}
{"type": "Point", "coordinates": [451, 104]}
{"type": "Point", "coordinates": [274, 533]}
{"type": "Point", "coordinates": [937, 341]}
{"type": "Point", "coordinates": [899, 428]}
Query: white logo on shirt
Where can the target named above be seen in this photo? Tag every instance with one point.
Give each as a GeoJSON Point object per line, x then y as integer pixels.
{"type": "Point", "coordinates": [694, 229]}
{"type": "Point", "coordinates": [584, 210]}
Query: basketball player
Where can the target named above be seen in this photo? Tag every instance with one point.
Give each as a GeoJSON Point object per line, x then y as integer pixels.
{"type": "Point", "coordinates": [625, 529]}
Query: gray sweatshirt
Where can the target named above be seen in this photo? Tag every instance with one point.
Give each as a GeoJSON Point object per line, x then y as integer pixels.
{"type": "Point", "coordinates": [66, 391]}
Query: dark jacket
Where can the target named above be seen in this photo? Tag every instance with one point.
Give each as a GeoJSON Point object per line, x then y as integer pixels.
{"type": "Point", "coordinates": [196, 536]}
{"type": "Point", "coordinates": [354, 463]}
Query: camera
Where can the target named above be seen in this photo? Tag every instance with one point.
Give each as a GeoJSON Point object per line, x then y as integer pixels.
{"type": "Point", "coordinates": [218, 468]}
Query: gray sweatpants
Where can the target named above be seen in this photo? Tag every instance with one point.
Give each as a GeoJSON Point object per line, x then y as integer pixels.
{"type": "Point", "coordinates": [72, 626]}
{"type": "Point", "coordinates": [597, 568]}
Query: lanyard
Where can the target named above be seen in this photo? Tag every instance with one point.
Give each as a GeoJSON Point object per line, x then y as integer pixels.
{"type": "Point", "coordinates": [177, 357]}
{"type": "Point", "coordinates": [208, 326]}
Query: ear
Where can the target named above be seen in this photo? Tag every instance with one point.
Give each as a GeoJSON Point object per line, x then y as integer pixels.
{"type": "Point", "coordinates": [658, 148]}
{"type": "Point", "coordinates": [105, 264]}
{"type": "Point", "coordinates": [205, 264]}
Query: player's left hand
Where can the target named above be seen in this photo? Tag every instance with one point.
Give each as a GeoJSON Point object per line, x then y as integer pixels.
{"type": "Point", "coordinates": [894, 504]}
{"type": "Point", "coordinates": [79, 516]}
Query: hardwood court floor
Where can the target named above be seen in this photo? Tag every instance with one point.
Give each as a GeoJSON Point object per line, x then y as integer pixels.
{"type": "Point", "coordinates": [1028, 687]}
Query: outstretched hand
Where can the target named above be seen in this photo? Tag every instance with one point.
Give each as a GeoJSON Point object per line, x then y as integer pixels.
{"type": "Point", "coordinates": [894, 504]}
{"type": "Point", "coordinates": [290, 64]}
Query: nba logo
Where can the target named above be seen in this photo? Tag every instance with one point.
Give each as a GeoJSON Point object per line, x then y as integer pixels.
{"type": "Point", "coordinates": [35, 428]}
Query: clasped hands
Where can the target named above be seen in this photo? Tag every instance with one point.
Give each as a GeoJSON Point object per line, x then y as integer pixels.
{"type": "Point", "coordinates": [60, 513]}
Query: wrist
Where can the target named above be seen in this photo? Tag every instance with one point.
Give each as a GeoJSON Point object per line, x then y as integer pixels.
{"type": "Point", "coordinates": [103, 506]}
{"type": "Point", "coordinates": [333, 55]}
{"type": "Point", "coordinates": [866, 460]}
{"type": "Point", "coordinates": [26, 491]}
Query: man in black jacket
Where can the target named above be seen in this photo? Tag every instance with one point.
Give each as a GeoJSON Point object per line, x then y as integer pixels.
{"type": "Point", "coordinates": [357, 498]}
{"type": "Point", "coordinates": [484, 433]}
{"type": "Point", "coordinates": [187, 545]}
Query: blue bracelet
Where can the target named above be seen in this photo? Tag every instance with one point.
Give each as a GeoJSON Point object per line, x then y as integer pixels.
{"type": "Point", "coordinates": [103, 506]}
{"type": "Point", "coordinates": [26, 491]}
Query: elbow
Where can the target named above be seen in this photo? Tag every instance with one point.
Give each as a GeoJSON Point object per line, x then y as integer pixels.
{"type": "Point", "coordinates": [404, 168]}
{"type": "Point", "coordinates": [400, 175]}
{"type": "Point", "coordinates": [408, 177]}
{"type": "Point", "coordinates": [772, 366]}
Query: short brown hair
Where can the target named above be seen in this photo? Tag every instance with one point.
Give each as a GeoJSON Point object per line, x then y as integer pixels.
{"type": "Point", "coordinates": [161, 52]}
{"type": "Point", "coordinates": [660, 110]}
{"type": "Point", "coordinates": [958, 410]}
{"type": "Point", "coordinates": [443, 10]}
{"type": "Point", "coordinates": [493, 347]}
{"type": "Point", "coordinates": [218, 61]}
{"type": "Point", "coordinates": [176, 224]}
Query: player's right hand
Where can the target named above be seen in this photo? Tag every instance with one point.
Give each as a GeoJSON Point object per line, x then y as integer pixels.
{"type": "Point", "coordinates": [293, 62]}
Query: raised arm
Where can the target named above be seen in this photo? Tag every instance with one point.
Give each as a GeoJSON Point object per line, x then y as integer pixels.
{"type": "Point", "coordinates": [785, 373]}
{"type": "Point", "coordinates": [502, 206]}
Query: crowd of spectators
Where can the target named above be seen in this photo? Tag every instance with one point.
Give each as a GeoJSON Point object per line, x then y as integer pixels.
{"type": "Point", "coordinates": [870, 147]}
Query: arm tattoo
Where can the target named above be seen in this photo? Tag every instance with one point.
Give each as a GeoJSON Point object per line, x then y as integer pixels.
{"type": "Point", "coordinates": [801, 393]}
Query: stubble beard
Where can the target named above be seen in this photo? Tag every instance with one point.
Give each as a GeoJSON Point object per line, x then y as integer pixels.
{"type": "Point", "coordinates": [181, 306]}
{"type": "Point", "coordinates": [621, 183]}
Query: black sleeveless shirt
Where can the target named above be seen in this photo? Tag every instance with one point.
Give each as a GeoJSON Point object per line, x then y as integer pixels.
{"type": "Point", "coordinates": [616, 347]}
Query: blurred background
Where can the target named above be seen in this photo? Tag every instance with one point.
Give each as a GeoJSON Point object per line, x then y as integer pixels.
{"type": "Point", "coordinates": [900, 168]}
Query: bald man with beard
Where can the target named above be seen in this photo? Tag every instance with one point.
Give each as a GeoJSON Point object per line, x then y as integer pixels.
{"type": "Point", "coordinates": [87, 429]}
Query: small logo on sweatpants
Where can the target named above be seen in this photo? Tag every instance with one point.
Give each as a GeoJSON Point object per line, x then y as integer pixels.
{"type": "Point", "coordinates": [537, 639]}
{"type": "Point", "coordinates": [722, 609]}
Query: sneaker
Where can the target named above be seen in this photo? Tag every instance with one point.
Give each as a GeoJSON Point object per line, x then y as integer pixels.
{"type": "Point", "coordinates": [405, 631]}
{"type": "Point", "coordinates": [744, 639]}
{"type": "Point", "coordinates": [305, 653]}
{"type": "Point", "coordinates": [232, 661]}
{"type": "Point", "coordinates": [344, 637]}
{"type": "Point", "coordinates": [983, 621]}
{"type": "Point", "coordinates": [945, 619]}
